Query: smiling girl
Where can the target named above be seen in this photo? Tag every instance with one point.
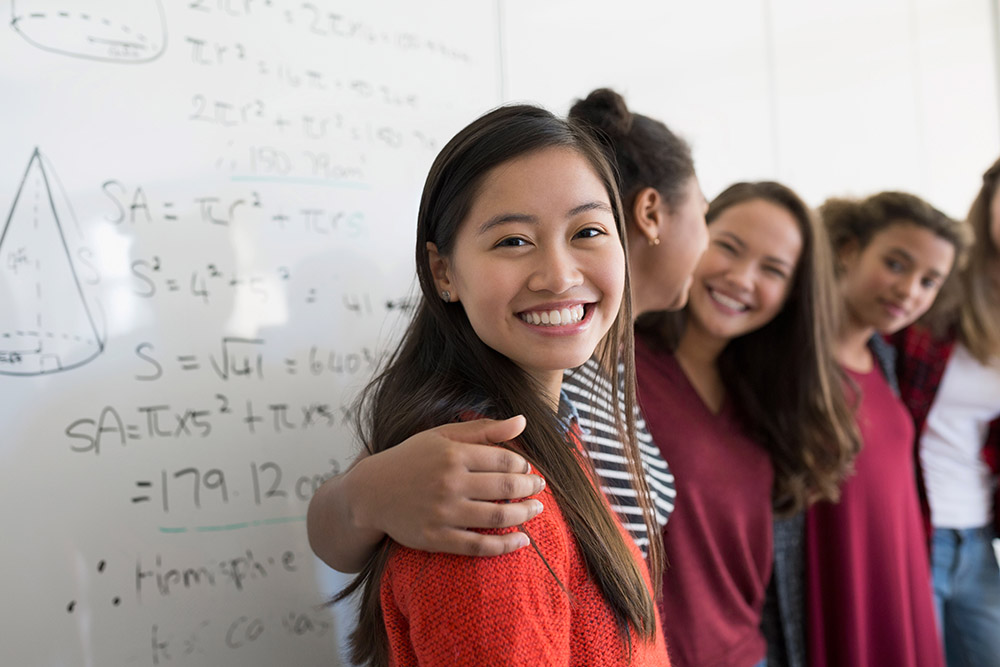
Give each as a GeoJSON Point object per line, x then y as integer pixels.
{"type": "Point", "coordinates": [868, 583]}
{"type": "Point", "coordinates": [439, 486]}
{"type": "Point", "coordinates": [743, 398]}
{"type": "Point", "coordinates": [521, 263]}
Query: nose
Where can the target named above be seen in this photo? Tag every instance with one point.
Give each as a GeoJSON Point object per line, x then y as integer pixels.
{"type": "Point", "coordinates": [909, 286]}
{"type": "Point", "coordinates": [741, 275]}
{"type": "Point", "coordinates": [556, 270]}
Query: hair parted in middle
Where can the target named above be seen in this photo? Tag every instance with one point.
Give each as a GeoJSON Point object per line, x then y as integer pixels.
{"type": "Point", "coordinates": [784, 380]}
{"type": "Point", "coordinates": [441, 371]}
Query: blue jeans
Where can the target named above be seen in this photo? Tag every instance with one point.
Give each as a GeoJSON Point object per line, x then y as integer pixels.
{"type": "Point", "coordinates": [967, 595]}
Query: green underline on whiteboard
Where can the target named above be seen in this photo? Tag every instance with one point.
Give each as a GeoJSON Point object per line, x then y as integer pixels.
{"type": "Point", "coordinates": [351, 185]}
{"type": "Point", "coordinates": [232, 526]}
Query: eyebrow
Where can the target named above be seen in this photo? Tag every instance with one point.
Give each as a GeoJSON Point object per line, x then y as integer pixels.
{"type": "Point", "coordinates": [506, 218]}
{"type": "Point", "coordinates": [770, 258]}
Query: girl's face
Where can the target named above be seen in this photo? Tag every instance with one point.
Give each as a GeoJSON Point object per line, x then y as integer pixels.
{"type": "Point", "coordinates": [538, 264]}
{"type": "Point", "coordinates": [743, 278]}
{"type": "Point", "coordinates": [663, 282]}
{"type": "Point", "coordinates": [893, 280]}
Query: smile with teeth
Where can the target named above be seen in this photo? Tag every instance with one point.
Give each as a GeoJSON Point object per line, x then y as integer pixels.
{"type": "Point", "coordinates": [554, 318]}
{"type": "Point", "coordinates": [728, 302]}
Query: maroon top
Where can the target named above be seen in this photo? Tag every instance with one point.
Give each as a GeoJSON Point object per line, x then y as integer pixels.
{"type": "Point", "coordinates": [718, 542]}
{"type": "Point", "coordinates": [868, 582]}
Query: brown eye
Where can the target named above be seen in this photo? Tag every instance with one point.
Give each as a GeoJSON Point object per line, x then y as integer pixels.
{"type": "Point", "coordinates": [511, 242]}
{"type": "Point", "coordinates": [589, 233]}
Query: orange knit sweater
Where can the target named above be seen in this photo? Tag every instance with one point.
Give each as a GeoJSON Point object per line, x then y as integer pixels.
{"type": "Point", "coordinates": [441, 609]}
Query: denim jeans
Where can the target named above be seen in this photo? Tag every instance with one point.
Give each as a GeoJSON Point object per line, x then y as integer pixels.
{"type": "Point", "coordinates": [967, 595]}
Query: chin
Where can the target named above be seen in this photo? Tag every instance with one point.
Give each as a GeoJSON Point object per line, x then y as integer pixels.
{"type": "Point", "coordinates": [679, 301]}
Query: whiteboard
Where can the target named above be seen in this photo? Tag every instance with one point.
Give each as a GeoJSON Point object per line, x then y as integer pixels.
{"type": "Point", "coordinates": [208, 211]}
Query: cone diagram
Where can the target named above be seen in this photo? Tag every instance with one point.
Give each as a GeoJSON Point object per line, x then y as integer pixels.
{"type": "Point", "coordinates": [45, 323]}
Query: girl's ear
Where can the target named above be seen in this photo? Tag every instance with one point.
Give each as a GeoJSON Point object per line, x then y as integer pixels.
{"type": "Point", "coordinates": [648, 212]}
{"type": "Point", "coordinates": [847, 256]}
{"type": "Point", "coordinates": [441, 270]}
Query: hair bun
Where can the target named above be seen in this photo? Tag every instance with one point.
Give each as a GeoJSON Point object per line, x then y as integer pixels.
{"type": "Point", "coordinates": [606, 110]}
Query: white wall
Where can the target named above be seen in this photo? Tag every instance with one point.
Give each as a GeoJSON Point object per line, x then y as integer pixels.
{"type": "Point", "coordinates": [831, 98]}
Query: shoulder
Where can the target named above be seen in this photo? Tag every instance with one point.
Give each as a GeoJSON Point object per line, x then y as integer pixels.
{"type": "Point", "coordinates": [885, 357]}
{"type": "Point", "coordinates": [462, 610]}
{"type": "Point", "coordinates": [412, 572]}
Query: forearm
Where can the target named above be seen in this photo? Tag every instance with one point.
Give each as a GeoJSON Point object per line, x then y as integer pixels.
{"type": "Point", "coordinates": [337, 530]}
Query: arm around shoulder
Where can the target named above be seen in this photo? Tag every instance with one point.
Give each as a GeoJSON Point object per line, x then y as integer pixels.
{"type": "Point", "coordinates": [426, 493]}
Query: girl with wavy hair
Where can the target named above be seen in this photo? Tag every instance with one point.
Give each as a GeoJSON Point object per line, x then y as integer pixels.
{"type": "Point", "coordinates": [868, 592]}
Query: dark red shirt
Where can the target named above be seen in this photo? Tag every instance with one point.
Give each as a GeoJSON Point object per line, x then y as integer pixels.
{"type": "Point", "coordinates": [718, 543]}
{"type": "Point", "coordinates": [868, 589]}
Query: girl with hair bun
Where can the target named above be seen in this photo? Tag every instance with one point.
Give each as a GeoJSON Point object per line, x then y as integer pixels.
{"type": "Point", "coordinates": [949, 376]}
{"type": "Point", "coordinates": [868, 594]}
{"type": "Point", "coordinates": [664, 204]}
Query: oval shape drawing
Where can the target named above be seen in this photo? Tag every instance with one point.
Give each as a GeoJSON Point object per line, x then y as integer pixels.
{"type": "Point", "coordinates": [105, 30]}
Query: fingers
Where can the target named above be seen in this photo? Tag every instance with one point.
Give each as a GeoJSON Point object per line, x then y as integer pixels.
{"type": "Point", "coordinates": [501, 486]}
{"type": "Point", "coordinates": [468, 543]}
{"type": "Point", "coordinates": [484, 431]}
{"type": "Point", "coordinates": [501, 431]}
{"type": "Point", "coordinates": [488, 515]}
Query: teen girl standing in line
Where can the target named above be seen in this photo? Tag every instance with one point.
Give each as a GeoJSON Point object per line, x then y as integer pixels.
{"type": "Point", "coordinates": [745, 401]}
{"type": "Point", "coordinates": [949, 376]}
{"type": "Point", "coordinates": [522, 267]}
{"type": "Point", "coordinates": [428, 492]}
{"type": "Point", "coordinates": [868, 582]}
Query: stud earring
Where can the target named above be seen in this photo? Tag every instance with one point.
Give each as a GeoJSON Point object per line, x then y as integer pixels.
{"type": "Point", "coordinates": [446, 295]}
{"type": "Point", "coordinates": [655, 241]}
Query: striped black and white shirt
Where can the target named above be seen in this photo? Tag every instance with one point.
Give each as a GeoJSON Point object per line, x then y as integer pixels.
{"type": "Point", "coordinates": [589, 389]}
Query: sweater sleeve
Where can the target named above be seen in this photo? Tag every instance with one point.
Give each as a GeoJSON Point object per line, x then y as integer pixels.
{"type": "Point", "coordinates": [442, 609]}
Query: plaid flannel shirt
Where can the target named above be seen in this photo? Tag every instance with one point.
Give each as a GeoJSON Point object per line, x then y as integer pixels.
{"type": "Point", "coordinates": [920, 366]}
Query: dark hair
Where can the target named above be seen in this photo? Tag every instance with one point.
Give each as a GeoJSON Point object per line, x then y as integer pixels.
{"type": "Point", "coordinates": [859, 220]}
{"type": "Point", "coordinates": [441, 371]}
{"type": "Point", "coordinates": [645, 151]}
{"type": "Point", "coordinates": [800, 416]}
{"type": "Point", "coordinates": [970, 300]}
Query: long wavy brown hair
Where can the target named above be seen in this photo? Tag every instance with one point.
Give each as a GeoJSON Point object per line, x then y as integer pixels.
{"type": "Point", "coordinates": [441, 370]}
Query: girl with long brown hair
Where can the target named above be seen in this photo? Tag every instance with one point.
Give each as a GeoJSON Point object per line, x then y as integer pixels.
{"type": "Point", "coordinates": [521, 260]}
{"type": "Point", "coordinates": [744, 399]}
{"type": "Point", "coordinates": [868, 582]}
{"type": "Point", "coordinates": [434, 490]}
